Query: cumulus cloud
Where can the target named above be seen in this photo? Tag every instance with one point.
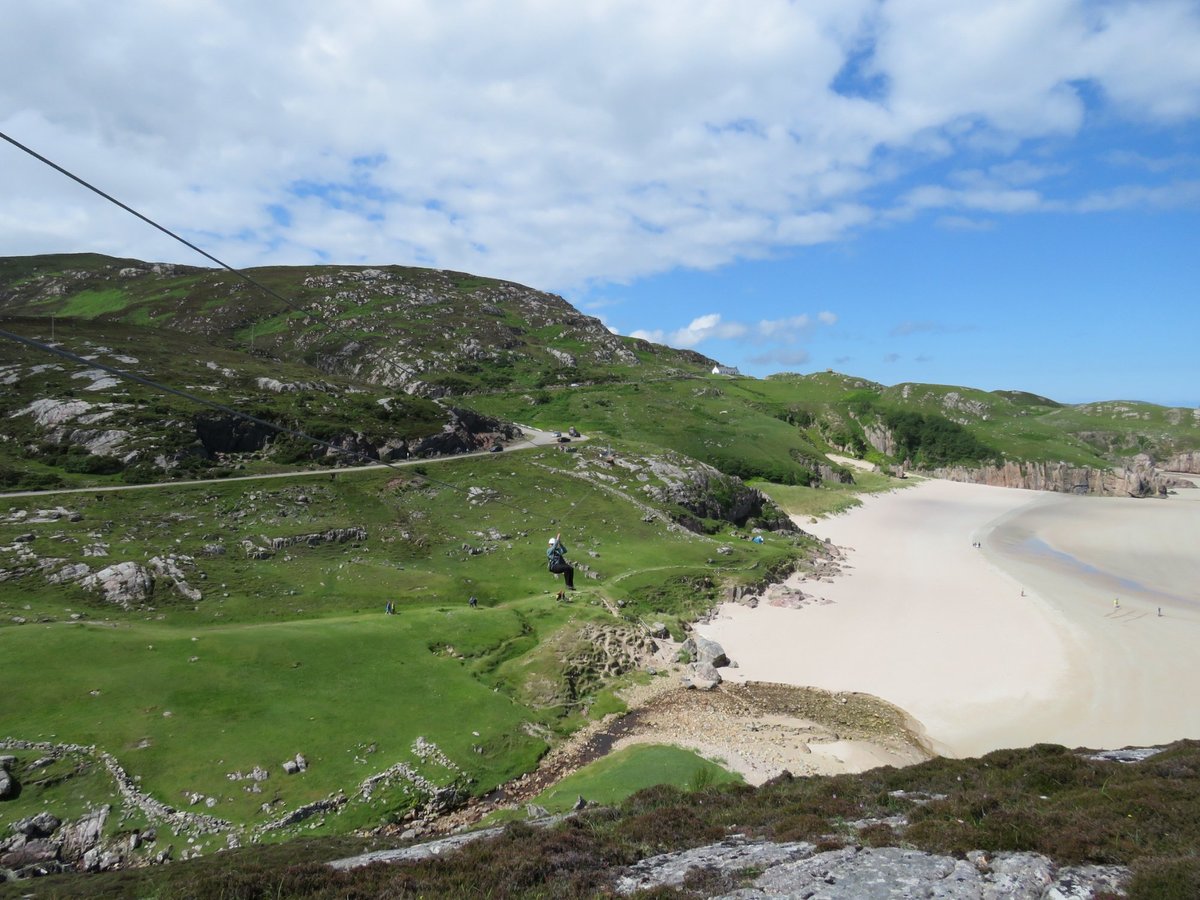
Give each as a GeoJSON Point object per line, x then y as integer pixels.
{"type": "Point", "coordinates": [564, 145]}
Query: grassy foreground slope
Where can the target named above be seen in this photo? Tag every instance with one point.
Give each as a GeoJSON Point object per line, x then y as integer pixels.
{"type": "Point", "coordinates": [289, 652]}
{"type": "Point", "coordinates": [1043, 799]}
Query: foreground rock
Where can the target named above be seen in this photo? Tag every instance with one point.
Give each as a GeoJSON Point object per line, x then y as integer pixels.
{"type": "Point", "coordinates": [867, 873]}
{"type": "Point", "coordinates": [851, 873]}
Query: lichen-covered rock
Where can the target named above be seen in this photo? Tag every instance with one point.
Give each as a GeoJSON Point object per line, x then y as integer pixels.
{"type": "Point", "coordinates": [125, 583]}
{"type": "Point", "coordinates": [42, 825]}
{"type": "Point", "coordinates": [171, 568]}
{"type": "Point", "coordinates": [48, 413]}
{"type": "Point", "coordinates": [701, 676]}
{"type": "Point", "coordinates": [8, 785]}
{"type": "Point", "coordinates": [873, 873]}
{"type": "Point", "coordinates": [702, 650]}
{"type": "Point", "coordinates": [734, 855]}
{"type": "Point", "coordinates": [83, 835]}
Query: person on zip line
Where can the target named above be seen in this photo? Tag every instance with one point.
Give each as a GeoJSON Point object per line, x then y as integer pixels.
{"type": "Point", "coordinates": [555, 555]}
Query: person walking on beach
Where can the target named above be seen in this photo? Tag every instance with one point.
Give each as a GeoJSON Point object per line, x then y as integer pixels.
{"type": "Point", "coordinates": [555, 555]}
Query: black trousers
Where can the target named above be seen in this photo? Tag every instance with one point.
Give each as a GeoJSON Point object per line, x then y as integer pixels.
{"type": "Point", "coordinates": [562, 567]}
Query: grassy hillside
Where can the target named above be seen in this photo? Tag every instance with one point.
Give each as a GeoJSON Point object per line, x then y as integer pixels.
{"type": "Point", "coordinates": [1010, 424]}
{"type": "Point", "coordinates": [427, 330]}
{"type": "Point", "coordinates": [292, 653]}
{"type": "Point", "coordinates": [109, 430]}
{"type": "Point", "coordinates": [725, 423]}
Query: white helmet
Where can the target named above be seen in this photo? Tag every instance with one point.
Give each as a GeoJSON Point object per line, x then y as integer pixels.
{"type": "Point", "coordinates": [552, 540]}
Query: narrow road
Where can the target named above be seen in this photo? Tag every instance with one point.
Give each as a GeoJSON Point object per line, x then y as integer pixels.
{"type": "Point", "coordinates": [533, 438]}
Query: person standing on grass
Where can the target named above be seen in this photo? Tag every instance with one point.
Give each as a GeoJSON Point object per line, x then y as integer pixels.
{"type": "Point", "coordinates": [556, 554]}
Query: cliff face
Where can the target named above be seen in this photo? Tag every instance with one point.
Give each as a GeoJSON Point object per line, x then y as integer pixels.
{"type": "Point", "coordinates": [1184, 462]}
{"type": "Point", "coordinates": [1140, 479]}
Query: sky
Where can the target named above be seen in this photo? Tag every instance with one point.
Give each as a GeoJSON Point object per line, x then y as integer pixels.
{"type": "Point", "coordinates": [1001, 194]}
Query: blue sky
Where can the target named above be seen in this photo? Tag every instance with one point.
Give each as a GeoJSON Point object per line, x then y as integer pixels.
{"type": "Point", "coordinates": [1003, 194]}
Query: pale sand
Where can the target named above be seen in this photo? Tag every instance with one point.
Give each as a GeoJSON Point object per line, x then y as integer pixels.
{"type": "Point", "coordinates": [926, 621]}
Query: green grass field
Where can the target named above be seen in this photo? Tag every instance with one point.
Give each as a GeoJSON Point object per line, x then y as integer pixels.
{"type": "Point", "coordinates": [610, 780]}
{"type": "Point", "coordinates": [293, 654]}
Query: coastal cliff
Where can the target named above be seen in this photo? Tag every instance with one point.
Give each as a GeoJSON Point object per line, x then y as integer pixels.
{"type": "Point", "coordinates": [1184, 462]}
{"type": "Point", "coordinates": [1141, 478]}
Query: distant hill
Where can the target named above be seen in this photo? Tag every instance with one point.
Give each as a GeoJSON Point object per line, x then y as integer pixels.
{"type": "Point", "coordinates": [423, 331]}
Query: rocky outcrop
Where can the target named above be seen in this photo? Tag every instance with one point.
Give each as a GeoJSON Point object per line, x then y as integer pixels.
{"type": "Point", "coordinates": [44, 845]}
{"type": "Point", "coordinates": [465, 432]}
{"type": "Point", "coordinates": [289, 387]}
{"type": "Point", "coordinates": [852, 873]}
{"type": "Point", "coordinates": [701, 676]}
{"type": "Point", "coordinates": [708, 493]}
{"type": "Point", "coordinates": [225, 433]}
{"type": "Point", "coordinates": [48, 412]}
{"type": "Point", "coordinates": [125, 583]}
{"type": "Point", "coordinates": [1138, 479]}
{"type": "Point", "coordinates": [1184, 462]}
{"type": "Point", "coordinates": [835, 475]}
{"type": "Point", "coordinates": [84, 833]}
{"type": "Point", "coordinates": [706, 656]}
{"type": "Point", "coordinates": [880, 437]}
{"type": "Point", "coordinates": [171, 568]}
{"type": "Point", "coordinates": [98, 443]}
{"type": "Point", "coordinates": [705, 651]}
{"type": "Point", "coordinates": [332, 536]}
{"type": "Point", "coordinates": [797, 870]}
{"type": "Point", "coordinates": [9, 787]}
{"type": "Point", "coordinates": [428, 850]}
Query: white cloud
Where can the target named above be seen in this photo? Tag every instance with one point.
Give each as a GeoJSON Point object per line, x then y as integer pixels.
{"type": "Point", "coordinates": [561, 145]}
{"type": "Point", "coordinates": [700, 329]}
{"type": "Point", "coordinates": [765, 332]}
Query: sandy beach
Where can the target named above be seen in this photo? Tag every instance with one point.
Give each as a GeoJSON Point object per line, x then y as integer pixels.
{"type": "Point", "coordinates": [988, 615]}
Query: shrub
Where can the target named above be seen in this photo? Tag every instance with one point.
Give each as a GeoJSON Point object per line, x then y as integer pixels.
{"type": "Point", "coordinates": [1169, 878]}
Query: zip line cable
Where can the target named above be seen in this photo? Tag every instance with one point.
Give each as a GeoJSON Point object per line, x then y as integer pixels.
{"type": "Point", "coordinates": [282, 429]}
